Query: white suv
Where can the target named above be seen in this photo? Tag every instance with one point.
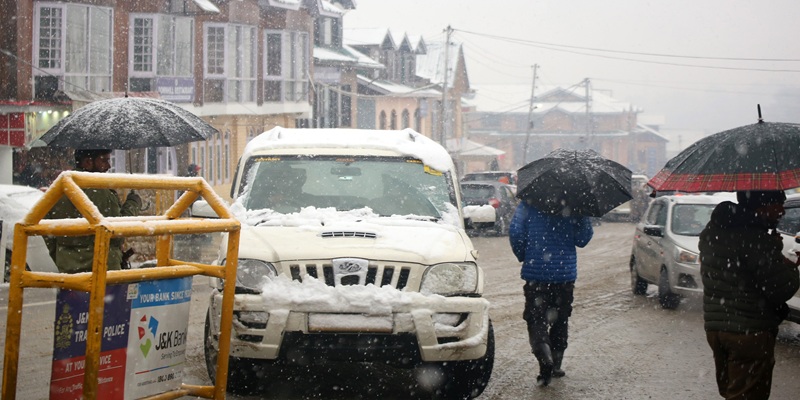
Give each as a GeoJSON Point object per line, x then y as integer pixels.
{"type": "Point", "coordinates": [353, 248]}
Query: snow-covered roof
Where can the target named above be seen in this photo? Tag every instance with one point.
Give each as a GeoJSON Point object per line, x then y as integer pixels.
{"type": "Point", "coordinates": [516, 98]}
{"type": "Point", "coordinates": [417, 44]}
{"type": "Point", "coordinates": [431, 65]}
{"type": "Point", "coordinates": [465, 148]}
{"type": "Point", "coordinates": [407, 142]}
{"type": "Point", "coordinates": [365, 36]}
{"type": "Point", "coordinates": [329, 9]}
{"type": "Point", "coordinates": [383, 86]}
{"type": "Point", "coordinates": [346, 55]}
{"type": "Point", "coordinates": [286, 4]}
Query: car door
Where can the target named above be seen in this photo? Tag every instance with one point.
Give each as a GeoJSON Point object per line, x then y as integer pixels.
{"type": "Point", "coordinates": [650, 245]}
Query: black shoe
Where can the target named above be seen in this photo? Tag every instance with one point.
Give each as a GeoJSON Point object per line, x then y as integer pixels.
{"type": "Point", "coordinates": [545, 375]}
{"type": "Point", "coordinates": [558, 356]}
{"type": "Point", "coordinates": [545, 358]}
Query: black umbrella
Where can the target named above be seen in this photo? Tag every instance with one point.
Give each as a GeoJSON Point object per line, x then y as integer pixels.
{"type": "Point", "coordinates": [128, 123]}
{"type": "Point", "coordinates": [760, 156]}
{"type": "Point", "coordinates": [578, 182]}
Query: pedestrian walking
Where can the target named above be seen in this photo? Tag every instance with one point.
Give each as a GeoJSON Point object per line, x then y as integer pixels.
{"type": "Point", "coordinates": [746, 283]}
{"type": "Point", "coordinates": [545, 244]}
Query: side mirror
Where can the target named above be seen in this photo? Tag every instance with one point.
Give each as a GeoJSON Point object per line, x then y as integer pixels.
{"type": "Point", "coordinates": [201, 209]}
{"type": "Point", "coordinates": [654, 230]}
{"type": "Point", "coordinates": [797, 237]}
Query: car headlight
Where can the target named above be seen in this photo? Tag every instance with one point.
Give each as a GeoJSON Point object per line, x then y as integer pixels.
{"type": "Point", "coordinates": [252, 274]}
{"type": "Point", "coordinates": [450, 278]}
{"type": "Point", "coordinates": [685, 256]}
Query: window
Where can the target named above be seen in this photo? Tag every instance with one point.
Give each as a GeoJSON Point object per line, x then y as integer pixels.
{"type": "Point", "coordinates": [382, 120]}
{"type": "Point", "coordinates": [326, 32]}
{"type": "Point", "coordinates": [417, 120]}
{"type": "Point", "coordinates": [286, 59]}
{"type": "Point", "coordinates": [393, 120]}
{"type": "Point", "coordinates": [230, 68]}
{"type": "Point", "coordinates": [160, 160]}
{"type": "Point", "coordinates": [72, 43]}
{"type": "Point", "coordinates": [404, 120]}
{"type": "Point", "coordinates": [161, 47]}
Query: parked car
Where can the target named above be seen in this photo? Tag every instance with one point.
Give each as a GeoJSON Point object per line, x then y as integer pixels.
{"type": "Point", "coordinates": [496, 194]}
{"type": "Point", "coordinates": [15, 202]}
{"type": "Point", "coordinates": [352, 248]}
{"type": "Point", "coordinates": [665, 246]}
{"type": "Point", "coordinates": [789, 228]}
{"type": "Point", "coordinates": [507, 177]}
{"type": "Point", "coordinates": [632, 210]}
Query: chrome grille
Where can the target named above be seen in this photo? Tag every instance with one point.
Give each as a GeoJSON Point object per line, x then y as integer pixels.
{"type": "Point", "coordinates": [367, 235]}
{"type": "Point", "coordinates": [377, 274]}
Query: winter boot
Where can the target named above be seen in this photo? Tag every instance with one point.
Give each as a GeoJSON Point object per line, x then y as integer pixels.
{"type": "Point", "coordinates": [558, 356]}
{"type": "Point", "coordinates": [545, 358]}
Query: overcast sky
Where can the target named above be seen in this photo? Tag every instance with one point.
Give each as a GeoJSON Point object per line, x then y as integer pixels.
{"type": "Point", "coordinates": [503, 39]}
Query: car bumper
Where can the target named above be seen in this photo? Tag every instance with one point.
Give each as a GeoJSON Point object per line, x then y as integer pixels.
{"type": "Point", "coordinates": [444, 329]}
{"type": "Point", "coordinates": [685, 279]}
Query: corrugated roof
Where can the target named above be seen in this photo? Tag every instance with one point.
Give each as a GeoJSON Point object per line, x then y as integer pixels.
{"type": "Point", "coordinates": [346, 55]}
{"type": "Point", "coordinates": [365, 36]}
{"type": "Point", "coordinates": [431, 65]}
{"type": "Point", "coordinates": [386, 87]}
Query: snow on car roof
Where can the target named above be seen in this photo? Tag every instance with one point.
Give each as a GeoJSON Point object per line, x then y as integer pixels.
{"type": "Point", "coordinates": [407, 142]}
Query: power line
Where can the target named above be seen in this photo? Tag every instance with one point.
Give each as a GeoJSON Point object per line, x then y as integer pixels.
{"type": "Point", "coordinates": [553, 48]}
{"type": "Point", "coordinates": [632, 52]}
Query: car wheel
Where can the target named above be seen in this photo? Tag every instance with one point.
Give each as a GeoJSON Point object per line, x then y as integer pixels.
{"type": "Point", "coordinates": [7, 267]}
{"type": "Point", "coordinates": [667, 299]}
{"type": "Point", "coordinates": [465, 379]}
{"type": "Point", "coordinates": [638, 285]}
{"type": "Point", "coordinates": [244, 374]}
{"type": "Point", "coordinates": [501, 227]}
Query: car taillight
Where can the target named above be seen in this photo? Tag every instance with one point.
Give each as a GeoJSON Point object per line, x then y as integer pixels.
{"type": "Point", "coordinates": [494, 203]}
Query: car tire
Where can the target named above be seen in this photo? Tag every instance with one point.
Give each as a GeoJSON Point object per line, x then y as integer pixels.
{"type": "Point", "coordinates": [466, 379]}
{"type": "Point", "coordinates": [7, 267]}
{"type": "Point", "coordinates": [501, 227]}
{"type": "Point", "coordinates": [666, 298]}
{"type": "Point", "coordinates": [638, 285]}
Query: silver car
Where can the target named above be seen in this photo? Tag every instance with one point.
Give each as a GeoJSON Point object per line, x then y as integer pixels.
{"type": "Point", "coordinates": [789, 228]}
{"type": "Point", "coordinates": [665, 251]}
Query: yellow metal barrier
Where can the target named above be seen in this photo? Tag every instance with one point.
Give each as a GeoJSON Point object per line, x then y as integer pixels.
{"type": "Point", "coordinates": [162, 226]}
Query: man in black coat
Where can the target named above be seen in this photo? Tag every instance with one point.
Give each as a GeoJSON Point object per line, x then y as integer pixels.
{"type": "Point", "coordinates": [746, 283]}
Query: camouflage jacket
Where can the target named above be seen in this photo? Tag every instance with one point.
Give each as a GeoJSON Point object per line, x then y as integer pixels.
{"type": "Point", "coordinates": [73, 254]}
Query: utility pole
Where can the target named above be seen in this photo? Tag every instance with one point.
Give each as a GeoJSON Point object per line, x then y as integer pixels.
{"type": "Point", "coordinates": [443, 138]}
{"type": "Point", "coordinates": [529, 127]}
{"type": "Point", "coordinates": [588, 113]}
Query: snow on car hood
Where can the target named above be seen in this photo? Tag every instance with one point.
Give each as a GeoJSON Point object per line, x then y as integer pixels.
{"type": "Point", "coordinates": [314, 234]}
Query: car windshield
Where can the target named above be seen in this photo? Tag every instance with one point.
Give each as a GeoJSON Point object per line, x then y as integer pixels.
{"type": "Point", "coordinates": [477, 191]}
{"type": "Point", "coordinates": [387, 185]}
{"type": "Point", "coordinates": [790, 222]}
{"type": "Point", "coordinates": [690, 219]}
{"type": "Point", "coordinates": [26, 197]}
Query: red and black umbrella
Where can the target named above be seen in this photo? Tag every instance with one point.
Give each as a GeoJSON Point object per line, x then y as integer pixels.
{"type": "Point", "coordinates": [762, 156]}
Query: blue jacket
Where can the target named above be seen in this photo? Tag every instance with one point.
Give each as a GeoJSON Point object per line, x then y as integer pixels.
{"type": "Point", "coordinates": [545, 243]}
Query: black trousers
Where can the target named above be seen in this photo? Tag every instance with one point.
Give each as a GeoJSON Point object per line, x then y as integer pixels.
{"type": "Point", "coordinates": [548, 307]}
{"type": "Point", "coordinates": [744, 363]}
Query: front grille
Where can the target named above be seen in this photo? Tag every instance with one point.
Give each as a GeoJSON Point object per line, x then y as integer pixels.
{"type": "Point", "coordinates": [377, 274]}
{"type": "Point", "coordinates": [367, 235]}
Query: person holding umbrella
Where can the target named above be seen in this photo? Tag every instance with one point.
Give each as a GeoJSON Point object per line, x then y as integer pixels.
{"type": "Point", "coordinates": [545, 244]}
{"type": "Point", "coordinates": [746, 282]}
{"type": "Point", "coordinates": [74, 254]}
{"type": "Point", "coordinates": [560, 194]}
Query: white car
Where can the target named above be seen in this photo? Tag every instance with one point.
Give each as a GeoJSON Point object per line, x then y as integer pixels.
{"type": "Point", "coordinates": [789, 228]}
{"type": "Point", "coordinates": [352, 248]}
{"type": "Point", "coordinates": [665, 246]}
{"type": "Point", "coordinates": [15, 202]}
